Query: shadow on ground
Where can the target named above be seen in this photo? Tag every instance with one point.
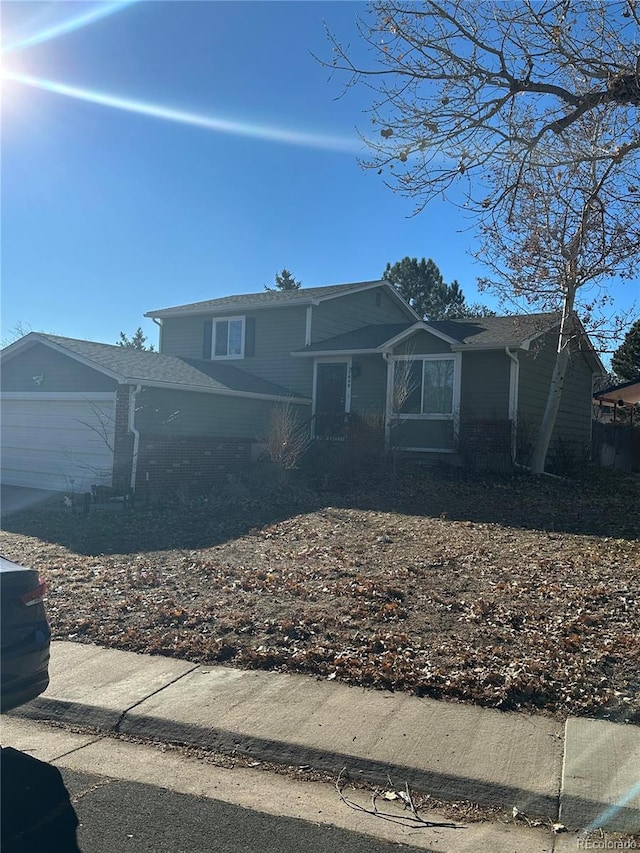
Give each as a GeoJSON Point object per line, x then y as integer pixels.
{"type": "Point", "coordinates": [601, 503]}
{"type": "Point", "coordinates": [37, 814]}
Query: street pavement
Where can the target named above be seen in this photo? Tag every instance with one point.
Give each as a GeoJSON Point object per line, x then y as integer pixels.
{"type": "Point", "coordinates": [584, 774]}
{"type": "Point", "coordinates": [143, 797]}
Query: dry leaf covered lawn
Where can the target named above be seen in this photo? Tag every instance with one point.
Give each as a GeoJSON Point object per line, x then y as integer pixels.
{"type": "Point", "coordinates": [508, 593]}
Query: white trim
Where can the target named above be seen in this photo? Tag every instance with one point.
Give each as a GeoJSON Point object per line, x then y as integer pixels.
{"type": "Point", "coordinates": [453, 416]}
{"type": "Point", "coordinates": [228, 320]}
{"type": "Point", "coordinates": [347, 393]}
{"type": "Point", "coordinates": [419, 327]}
{"type": "Point", "coordinates": [514, 381]}
{"type": "Point", "coordinates": [59, 395]}
{"type": "Point", "coordinates": [133, 392]}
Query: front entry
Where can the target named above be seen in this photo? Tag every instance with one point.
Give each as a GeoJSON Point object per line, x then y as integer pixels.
{"type": "Point", "coordinates": [331, 399]}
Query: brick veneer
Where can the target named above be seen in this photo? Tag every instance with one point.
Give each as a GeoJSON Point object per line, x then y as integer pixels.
{"type": "Point", "coordinates": [123, 442]}
{"type": "Point", "coordinates": [169, 462]}
{"type": "Point", "coordinates": [485, 435]}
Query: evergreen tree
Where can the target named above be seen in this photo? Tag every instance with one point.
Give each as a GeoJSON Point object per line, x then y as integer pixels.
{"type": "Point", "coordinates": [421, 284]}
{"type": "Point", "coordinates": [626, 359]}
{"type": "Point", "coordinates": [137, 341]}
{"type": "Point", "coordinates": [284, 281]}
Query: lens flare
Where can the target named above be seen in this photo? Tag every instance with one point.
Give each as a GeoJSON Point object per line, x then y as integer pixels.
{"type": "Point", "coordinates": [95, 13]}
{"type": "Point", "coordinates": [236, 128]}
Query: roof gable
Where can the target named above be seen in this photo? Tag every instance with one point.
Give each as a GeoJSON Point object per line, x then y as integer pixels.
{"type": "Point", "coordinates": [276, 299]}
{"type": "Point", "coordinates": [137, 367]}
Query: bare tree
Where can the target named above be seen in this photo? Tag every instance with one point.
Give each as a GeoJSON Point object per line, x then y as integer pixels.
{"type": "Point", "coordinates": [569, 229]}
{"type": "Point", "coordinates": [460, 87]}
{"type": "Point", "coordinates": [526, 115]}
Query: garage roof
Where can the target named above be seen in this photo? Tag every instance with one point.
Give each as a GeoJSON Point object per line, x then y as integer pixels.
{"type": "Point", "coordinates": [138, 367]}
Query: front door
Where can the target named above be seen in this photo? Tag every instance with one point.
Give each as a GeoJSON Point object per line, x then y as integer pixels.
{"type": "Point", "coordinates": [331, 397]}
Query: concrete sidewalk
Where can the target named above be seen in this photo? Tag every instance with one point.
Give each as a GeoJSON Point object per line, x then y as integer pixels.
{"type": "Point", "coordinates": [586, 773]}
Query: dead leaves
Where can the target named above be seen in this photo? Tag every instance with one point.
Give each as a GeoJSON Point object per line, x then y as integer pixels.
{"type": "Point", "coordinates": [485, 612]}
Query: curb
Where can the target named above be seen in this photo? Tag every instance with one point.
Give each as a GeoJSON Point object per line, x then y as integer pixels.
{"type": "Point", "coordinates": [438, 784]}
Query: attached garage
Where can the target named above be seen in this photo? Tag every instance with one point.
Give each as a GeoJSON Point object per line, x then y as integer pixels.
{"type": "Point", "coordinates": [57, 441]}
{"type": "Point", "coordinates": [79, 413]}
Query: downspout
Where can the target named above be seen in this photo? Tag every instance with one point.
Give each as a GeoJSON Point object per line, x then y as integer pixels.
{"type": "Point", "coordinates": [514, 376]}
{"type": "Point", "coordinates": [386, 355]}
{"type": "Point", "coordinates": [136, 435]}
{"type": "Point", "coordinates": [158, 323]}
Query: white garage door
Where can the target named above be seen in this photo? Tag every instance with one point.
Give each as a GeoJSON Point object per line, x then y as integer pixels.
{"type": "Point", "coordinates": [58, 442]}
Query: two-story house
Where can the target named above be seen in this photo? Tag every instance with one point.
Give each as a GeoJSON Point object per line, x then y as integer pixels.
{"type": "Point", "coordinates": [79, 413]}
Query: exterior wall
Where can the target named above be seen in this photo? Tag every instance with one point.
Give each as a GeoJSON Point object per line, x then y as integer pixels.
{"type": "Point", "coordinates": [422, 343]}
{"type": "Point", "coordinates": [278, 333]}
{"type": "Point", "coordinates": [183, 413]}
{"type": "Point", "coordinates": [573, 424]}
{"type": "Point", "coordinates": [485, 385]}
{"type": "Point", "coordinates": [123, 442]}
{"type": "Point", "coordinates": [353, 311]}
{"type": "Point", "coordinates": [59, 372]}
{"type": "Point", "coordinates": [433, 435]}
{"type": "Point", "coordinates": [369, 385]}
{"type": "Point", "coordinates": [194, 463]}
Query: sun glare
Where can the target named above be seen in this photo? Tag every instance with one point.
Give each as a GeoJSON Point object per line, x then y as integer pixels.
{"type": "Point", "coordinates": [221, 125]}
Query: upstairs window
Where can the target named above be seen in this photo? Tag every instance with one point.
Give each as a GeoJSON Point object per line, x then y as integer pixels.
{"type": "Point", "coordinates": [228, 338]}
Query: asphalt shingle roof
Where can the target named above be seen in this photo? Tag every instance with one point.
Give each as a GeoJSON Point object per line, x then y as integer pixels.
{"type": "Point", "coordinates": [260, 300]}
{"type": "Point", "coordinates": [141, 367]}
{"type": "Point", "coordinates": [496, 331]}
{"type": "Point", "coordinates": [484, 332]}
{"type": "Point", "coordinates": [368, 337]}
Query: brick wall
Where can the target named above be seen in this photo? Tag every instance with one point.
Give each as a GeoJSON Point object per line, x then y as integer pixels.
{"type": "Point", "coordinates": [485, 435]}
{"type": "Point", "coordinates": [123, 442]}
{"type": "Point", "coordinates": [172, 462]}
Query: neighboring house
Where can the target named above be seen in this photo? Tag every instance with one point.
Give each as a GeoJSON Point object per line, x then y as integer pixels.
{"type": "Point", "coordinates": [616, 436]}
{"type": "Point", "coordinates": [339, 356]}
{"type": "Point", "coordinates": [611, 400]}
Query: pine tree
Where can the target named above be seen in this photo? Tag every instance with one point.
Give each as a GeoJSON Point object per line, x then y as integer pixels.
{"type": "Point", "coordinates": [626, 359]}
{"type": "Point", "coordinates": [284, 281]}
{"type": "Point", "coordinates": [421, 284]}
{"type": "Point", "coordinates": [137, 341]}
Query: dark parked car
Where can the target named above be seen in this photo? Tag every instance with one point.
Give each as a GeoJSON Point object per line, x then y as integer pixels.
{"type": "Point", "coordinates": [24, 635]}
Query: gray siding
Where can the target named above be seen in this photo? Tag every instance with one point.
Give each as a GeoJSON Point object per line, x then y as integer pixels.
{"type": "Point", "coordinates": [278, 333]}
{"type": "Point", "coordinates": [60, 372]}
{"type": "Point", "coordinates": [369, 388]}
{"type": "Point", "coordinates": [485, 385]}
{"type": "Point", "coordinates": [353, 311]}
{"type": "Point", "coordinates": [573, 424]}
{"type": "Point", "coordinates": [427, 434]}
{"type": "Point", "coordinates": [422, 343]}
{"type": "Point", "coordinates": [184, 413]}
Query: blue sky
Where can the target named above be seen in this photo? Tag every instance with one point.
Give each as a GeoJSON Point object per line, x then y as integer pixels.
{"type": "Point", "coordinates": [108, 212]}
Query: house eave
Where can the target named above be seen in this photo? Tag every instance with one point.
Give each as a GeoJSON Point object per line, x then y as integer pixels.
{"type": "Point", "coordinates": [34, 338]}
{"type": "Point", "coordinates": [224, 392]}
{"type": "Point", "coordinates": [177, 311]}
{"type": "Point", "coordinates": [336, 352]}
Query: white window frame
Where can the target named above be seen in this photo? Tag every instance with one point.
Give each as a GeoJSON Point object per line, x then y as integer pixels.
{"type": "Point", "coordinates": [453, 415]}
{"type": "Point", "coordinates": [214, 331]}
